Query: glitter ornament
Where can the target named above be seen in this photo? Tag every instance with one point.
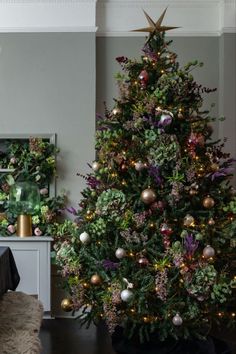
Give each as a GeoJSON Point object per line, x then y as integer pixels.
{"type": "Point", "coordinates": [84, 237]}
{"type": "Point", "coordinates": [148, 196]}
{"type": "Point", "coordinates": [208, 252]}
{"type": "Point", "coordinates": [96, 279]}
{"type": "Point", "coordinates": [188, 220]}
{"type": "Point", "coordinates": [120, 253]}
{"type": "Point", "coordinates": [139, 166]}
{"type": "Point", "coordinates": [208, 202]}
{"type": "Point", "coordinates": [67, 305]}
{"type": "Point", "coordinates": [126, 295]}
{"type": "Point", "coordinates": [177, 320]}
{"type": "Point", "coordinates": [95, 166]}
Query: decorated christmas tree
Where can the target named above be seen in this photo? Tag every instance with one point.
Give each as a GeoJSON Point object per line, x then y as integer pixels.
{"type": "Point", "coordinates": [153, 246]}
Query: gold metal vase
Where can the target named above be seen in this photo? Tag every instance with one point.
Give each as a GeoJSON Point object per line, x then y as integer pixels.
{"type": "Point", "coordinates": [24, 225]}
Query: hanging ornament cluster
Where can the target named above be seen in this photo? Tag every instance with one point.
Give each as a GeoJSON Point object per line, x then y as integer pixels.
{"type": "Point", "coordinates": [148, 196]}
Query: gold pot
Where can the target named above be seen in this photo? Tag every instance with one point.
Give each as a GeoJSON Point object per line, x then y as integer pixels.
{"type": "Point", "coordinates": [24, 225]}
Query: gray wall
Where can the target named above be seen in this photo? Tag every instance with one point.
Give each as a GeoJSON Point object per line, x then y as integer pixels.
{"type": "Point", "coordinates": [47, 86]}
{"type": "Point", "coordinates": [205, 49]}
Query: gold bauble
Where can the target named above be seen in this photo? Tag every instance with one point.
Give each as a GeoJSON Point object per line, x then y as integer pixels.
{"type": "Point", "coordinates": [188, 220]}
{"type": "Point", "coordinates": [214, 167]}
{"type": "Point", "coordinates": [148, 196]}
{"type": "Point", "coordinates": [67, 305]}
{"type": "Point", "coordinates": [208, 202]}
{"type": "Point", "coordinates": [96, 279]}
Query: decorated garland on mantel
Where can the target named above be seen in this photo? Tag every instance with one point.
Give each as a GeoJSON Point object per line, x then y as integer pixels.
{"type": "Point", "coordinates": [32, 159]}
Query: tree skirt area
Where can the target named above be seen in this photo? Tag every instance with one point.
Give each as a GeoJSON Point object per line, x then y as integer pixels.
{"type": "Point", "coordinates": [20, 320]}
{"type": "Point", "coordinates": [122, 345]}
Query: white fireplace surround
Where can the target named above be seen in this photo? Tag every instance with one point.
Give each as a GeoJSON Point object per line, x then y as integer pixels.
{"type": "Point", "coordinates": [117, 17]}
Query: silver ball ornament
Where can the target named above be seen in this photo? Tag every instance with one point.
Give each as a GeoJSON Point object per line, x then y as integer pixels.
{"type": "Point", "coordinates": [139, 166]}
{"type": "Point", "coordinates": [116, 111]}
{"type": "Point", "coordinates": [208, 252]}
{"type": "Point", "coordinates": [84, 237]}
{"type": "Point", "coordinates": [148, 196]}
{"type": "Point", "coordinates": [177, 320]}
{"type": "Point", "coordinates": [95, 166]}
{"type": "Point", "coordinates": [126, 295]}
{"type": "Point", "coordinates": [120, 253]}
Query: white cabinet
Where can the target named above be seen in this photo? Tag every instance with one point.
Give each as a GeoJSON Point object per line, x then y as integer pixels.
{"type": "Point", "coordinates": [32, 257]}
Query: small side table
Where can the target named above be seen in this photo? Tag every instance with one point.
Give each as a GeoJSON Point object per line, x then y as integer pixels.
{"type": "Point", "coordinates": [32, 257]}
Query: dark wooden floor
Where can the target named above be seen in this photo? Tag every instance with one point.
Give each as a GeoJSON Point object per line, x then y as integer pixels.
{"type": "Point", "coordinates": [65, 336]}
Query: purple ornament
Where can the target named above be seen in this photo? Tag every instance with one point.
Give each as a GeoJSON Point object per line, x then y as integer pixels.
{"type": "Point", "coordinates": [165, 120]}
{"type": "Point", "coordinates": [190, 245]}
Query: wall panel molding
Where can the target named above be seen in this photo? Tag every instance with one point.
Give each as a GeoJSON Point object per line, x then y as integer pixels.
{"type": "Point", "coordinates": [117, 17]}
{"type": "Point", "coordinates": [195, 17]}
{"type": "Point", "coordinates": [47, 15]}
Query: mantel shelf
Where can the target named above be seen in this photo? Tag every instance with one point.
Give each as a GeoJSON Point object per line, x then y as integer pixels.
{"type": "Point", "coordinates": [26, 239]}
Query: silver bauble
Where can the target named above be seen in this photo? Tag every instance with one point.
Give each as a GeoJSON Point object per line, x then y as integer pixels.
{"type": "Point", "coordinates": [177, 320]}
{"type": "Point", "coordinates": [148, 196]}
{"type": "Point", "coordinates": [126, 295]}
{"type": "Point", "coordinates": [84, 237]}
{"type": "Point", "coordinates": [139, 166]}
{"type": "Point", "coordinates": [120, 253]}
{"type": "Point", "coordinates": [116, 111]}
{"type": "Point", "coordinates": [208, 252]}
{"type": "Point", "coordinates": [95, 166]}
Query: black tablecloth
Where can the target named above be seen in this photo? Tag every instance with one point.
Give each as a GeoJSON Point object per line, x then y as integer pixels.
{"type": "Point", "coordinates": [9, 277]}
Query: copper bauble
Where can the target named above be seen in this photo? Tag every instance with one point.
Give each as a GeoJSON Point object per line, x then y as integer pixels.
{"type": "Point", "coordinates": [67, 305]}
{"type": "Point", "coordinates": [208, 252]}
{"type": "Point", "coordinates": [96, 279]}
{"type": "Point", "coordinates": [143, 262]}
{"type": "Point", "coordinates": [148, 196]}
{"type": "Point", "coordinates": [208, 202]}
{"type": "Point", "coordinates": [193, 191]}
{"type": "Point", "coordinates": [211, 221]}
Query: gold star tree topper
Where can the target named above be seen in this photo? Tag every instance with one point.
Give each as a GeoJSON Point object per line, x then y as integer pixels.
{"type": "Point", "coordinates": [155, 26]}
